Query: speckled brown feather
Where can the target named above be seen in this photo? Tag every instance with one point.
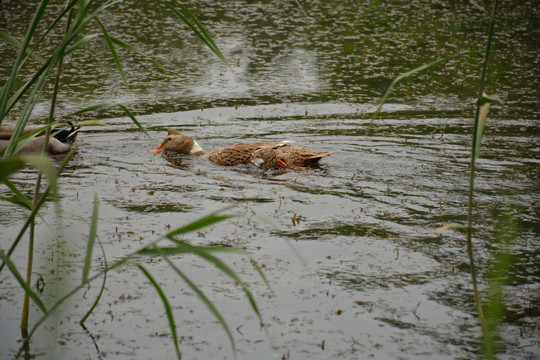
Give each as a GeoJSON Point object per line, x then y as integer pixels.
{"type": "Point", "coordinates": [240, 153]}
{"type": "Point", "coordinates": [268, 157]}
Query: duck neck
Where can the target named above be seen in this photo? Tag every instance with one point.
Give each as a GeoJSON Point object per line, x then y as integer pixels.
{"type": "Point", "coordinates": [197, 149]}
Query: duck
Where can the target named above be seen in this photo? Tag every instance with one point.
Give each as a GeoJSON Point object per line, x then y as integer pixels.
{"type": "Point", "coordinates": [286, 156]}
{"type": "Point", "coordinates": [60, 141]}
{"type": "Point", "coordinates": [265, 155]}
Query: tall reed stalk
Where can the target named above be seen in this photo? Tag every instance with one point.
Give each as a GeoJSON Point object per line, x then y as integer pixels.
{"type": "Point", "coordinates": [76, 15]}
{"type": "Point", "coordinates": [482, 106]}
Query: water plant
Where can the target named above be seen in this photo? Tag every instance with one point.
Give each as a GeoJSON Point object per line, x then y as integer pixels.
{"type": "Point", "coordinates": [24, 94]}
{"type": "Point", "coordinates": [503, 258]}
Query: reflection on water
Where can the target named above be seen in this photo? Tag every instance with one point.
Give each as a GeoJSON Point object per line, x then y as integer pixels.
{"type": "Point", "coordinates": [354, 265]}
{"type": "Point", "coordinates": [327, 51]}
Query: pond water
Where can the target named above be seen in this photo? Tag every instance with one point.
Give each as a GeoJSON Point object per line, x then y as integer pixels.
{"type": "Point", "coordinates": [354, 266]}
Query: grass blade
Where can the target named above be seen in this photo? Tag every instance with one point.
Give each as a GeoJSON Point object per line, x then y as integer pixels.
{"type": "Point", "coordinates": [25, 114]}
{"type": "Point", "coordinates": [13, 41]}
{"type": "Point", "coordinates": [167, 306]}
{"type": "Point", "coordinates": [45, 68]}
{"type": "Point", "coordinates": [182, 247]}
{"type": "Point", "coordinates": [24, 46]}
{"type": "Point", "coordinates": [107, 105]}
{"type": "Point", "coordinates": [199, 224]}
{"type": "Point", "coordinates": [80, 43]}
{"type": "Point", "coordinates": [204, 299]}
{"type": "Point", "coordinates": [91, 240]}
{"type": "Point", "coordinates": [35, 209]}
{"type": "Point", "coordinates": [406, 74]}
{"type": "Point", "coordinates": [44, 165]}
{"type": "Point", "coordinates": [478, 6]}
{"type": "Point", "coordinates": [261, 273]}
{"type": "Point", "coordinates": [27, 223]}
{"type": "Point", "coordinates": [113, 53]}
{"type": "Point", "coordinates": [128, 113]}
{"type": "Point", "coordinates": [99, 106]}
{"type": "Point", "coordinates": [102, 286]}
{"type": "Point", "coordinates": [499, 275]}
{"type": "Point", "coordinates": [10, 166]}
{"type": "Point", "coordinates": [135, 50]}
{"type": "Point", "coordinates": [191, 21]}
{"type": "Point", "coordinates": [6, 260]}
{"type": "Point", "coordinates": [488, 351]}
{"type": "Point", "coordinates": [229, 272]}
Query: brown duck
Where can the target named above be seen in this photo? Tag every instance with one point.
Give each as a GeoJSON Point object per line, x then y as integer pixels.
{"type": "Point", "coordinates": [264, 155]}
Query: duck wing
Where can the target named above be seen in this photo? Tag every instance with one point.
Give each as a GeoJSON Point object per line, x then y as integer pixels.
{"type": "Point", "coordinates": [6, 131]}
{"type": "Point", "coordinates": [299, 156]}
{"type": "Point", "coordinates": [239, 153]}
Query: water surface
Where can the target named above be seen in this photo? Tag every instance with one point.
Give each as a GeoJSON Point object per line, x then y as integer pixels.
{"type": "Point", "coordinates": [355, 268]}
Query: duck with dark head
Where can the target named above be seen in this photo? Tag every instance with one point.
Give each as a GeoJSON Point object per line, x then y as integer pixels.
{"type": "Point", "coordinates": [60, 141]}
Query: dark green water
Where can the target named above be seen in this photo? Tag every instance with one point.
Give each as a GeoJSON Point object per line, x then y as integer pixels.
{"type": "Point", "coordinates": [372, 280]}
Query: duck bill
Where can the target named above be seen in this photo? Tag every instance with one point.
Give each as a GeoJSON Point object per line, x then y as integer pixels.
{"type": "Point", "coordinates": [159, 149]}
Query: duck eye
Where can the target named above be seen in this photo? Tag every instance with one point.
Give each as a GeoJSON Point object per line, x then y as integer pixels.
{"type": "Point", "coordinates": [169, 138]}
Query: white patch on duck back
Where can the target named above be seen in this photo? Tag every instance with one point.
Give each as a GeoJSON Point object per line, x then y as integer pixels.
{"type": "Point", "coordinates": [196, 148]}
{"type": "Point", "coordinates": [282, 143]}
{"type": "Point", "coordinates": [257, 161]}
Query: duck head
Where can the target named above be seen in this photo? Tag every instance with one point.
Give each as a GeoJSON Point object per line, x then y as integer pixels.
{"type": "Point", "coordinates": [180, 143]}
{"type": "Point", "coordinates": [267, 158]}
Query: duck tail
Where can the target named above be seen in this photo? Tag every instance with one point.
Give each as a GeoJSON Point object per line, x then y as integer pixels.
{"type": "Point", "coordinates": [318, 156]}
{"type": "Point", "coordinates": [314, 159]}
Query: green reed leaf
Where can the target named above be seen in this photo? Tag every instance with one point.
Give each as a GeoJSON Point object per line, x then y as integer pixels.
{"type": "Point", "coordinates": [500, 274]}
{"type": "Point", "coordinates": [80, 43]}
{"type": "Point", "coordinates": [229, 272]}
{"type": "Point", "coordinates": [92, 123]}
{"type": "Point", "coordinates": [113, 53]}
{"type": "Point", "coordinates": [91, 240]}
{"type": "Point", "coordinates": [22, 50]}
{"type": "Point", "coordinates": [167, 306]}
{"type": "Point", "coordinates": [196, 27]}
{"type": "Point", "coordinates": [95, 107]}
{"type": "Point", "coordinates": [204, 299]}
{"type": "Point", "coordinates": [135, 50]}
{"type": "Point", "coordinates": [452, 226]}
{"type": "Point", "coordinates": [35, 209]}
{"type": "Point", "coordinates": [132, 117]}
{"type": "Point", "coordinates": [44, 164]}
{"type": "Point", "coordinates": [481, 112]}
{"type": "Point", "coordinates": [261, 273]}
{"type": "Point", "coordinates": [199, 224]}
{"type": "Point", "coordinates": [478, 6]}
{"type": "Point", "coordinates": [105, 105]}
{"type": "Point", "coordinates": [10, 166]}
{"type": "Point", "coordinates": [13, 41]}
{"type": "Point", "coordinates": [406, 74]}
{"type": "Point", "coordinates": [181, 247]}
{"type": "Point", "coordinates": [105, 270]}
{"type": "Point", "coordinates": [485, 99]}
{"type": "Point", "coordinates": [11, 266]}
